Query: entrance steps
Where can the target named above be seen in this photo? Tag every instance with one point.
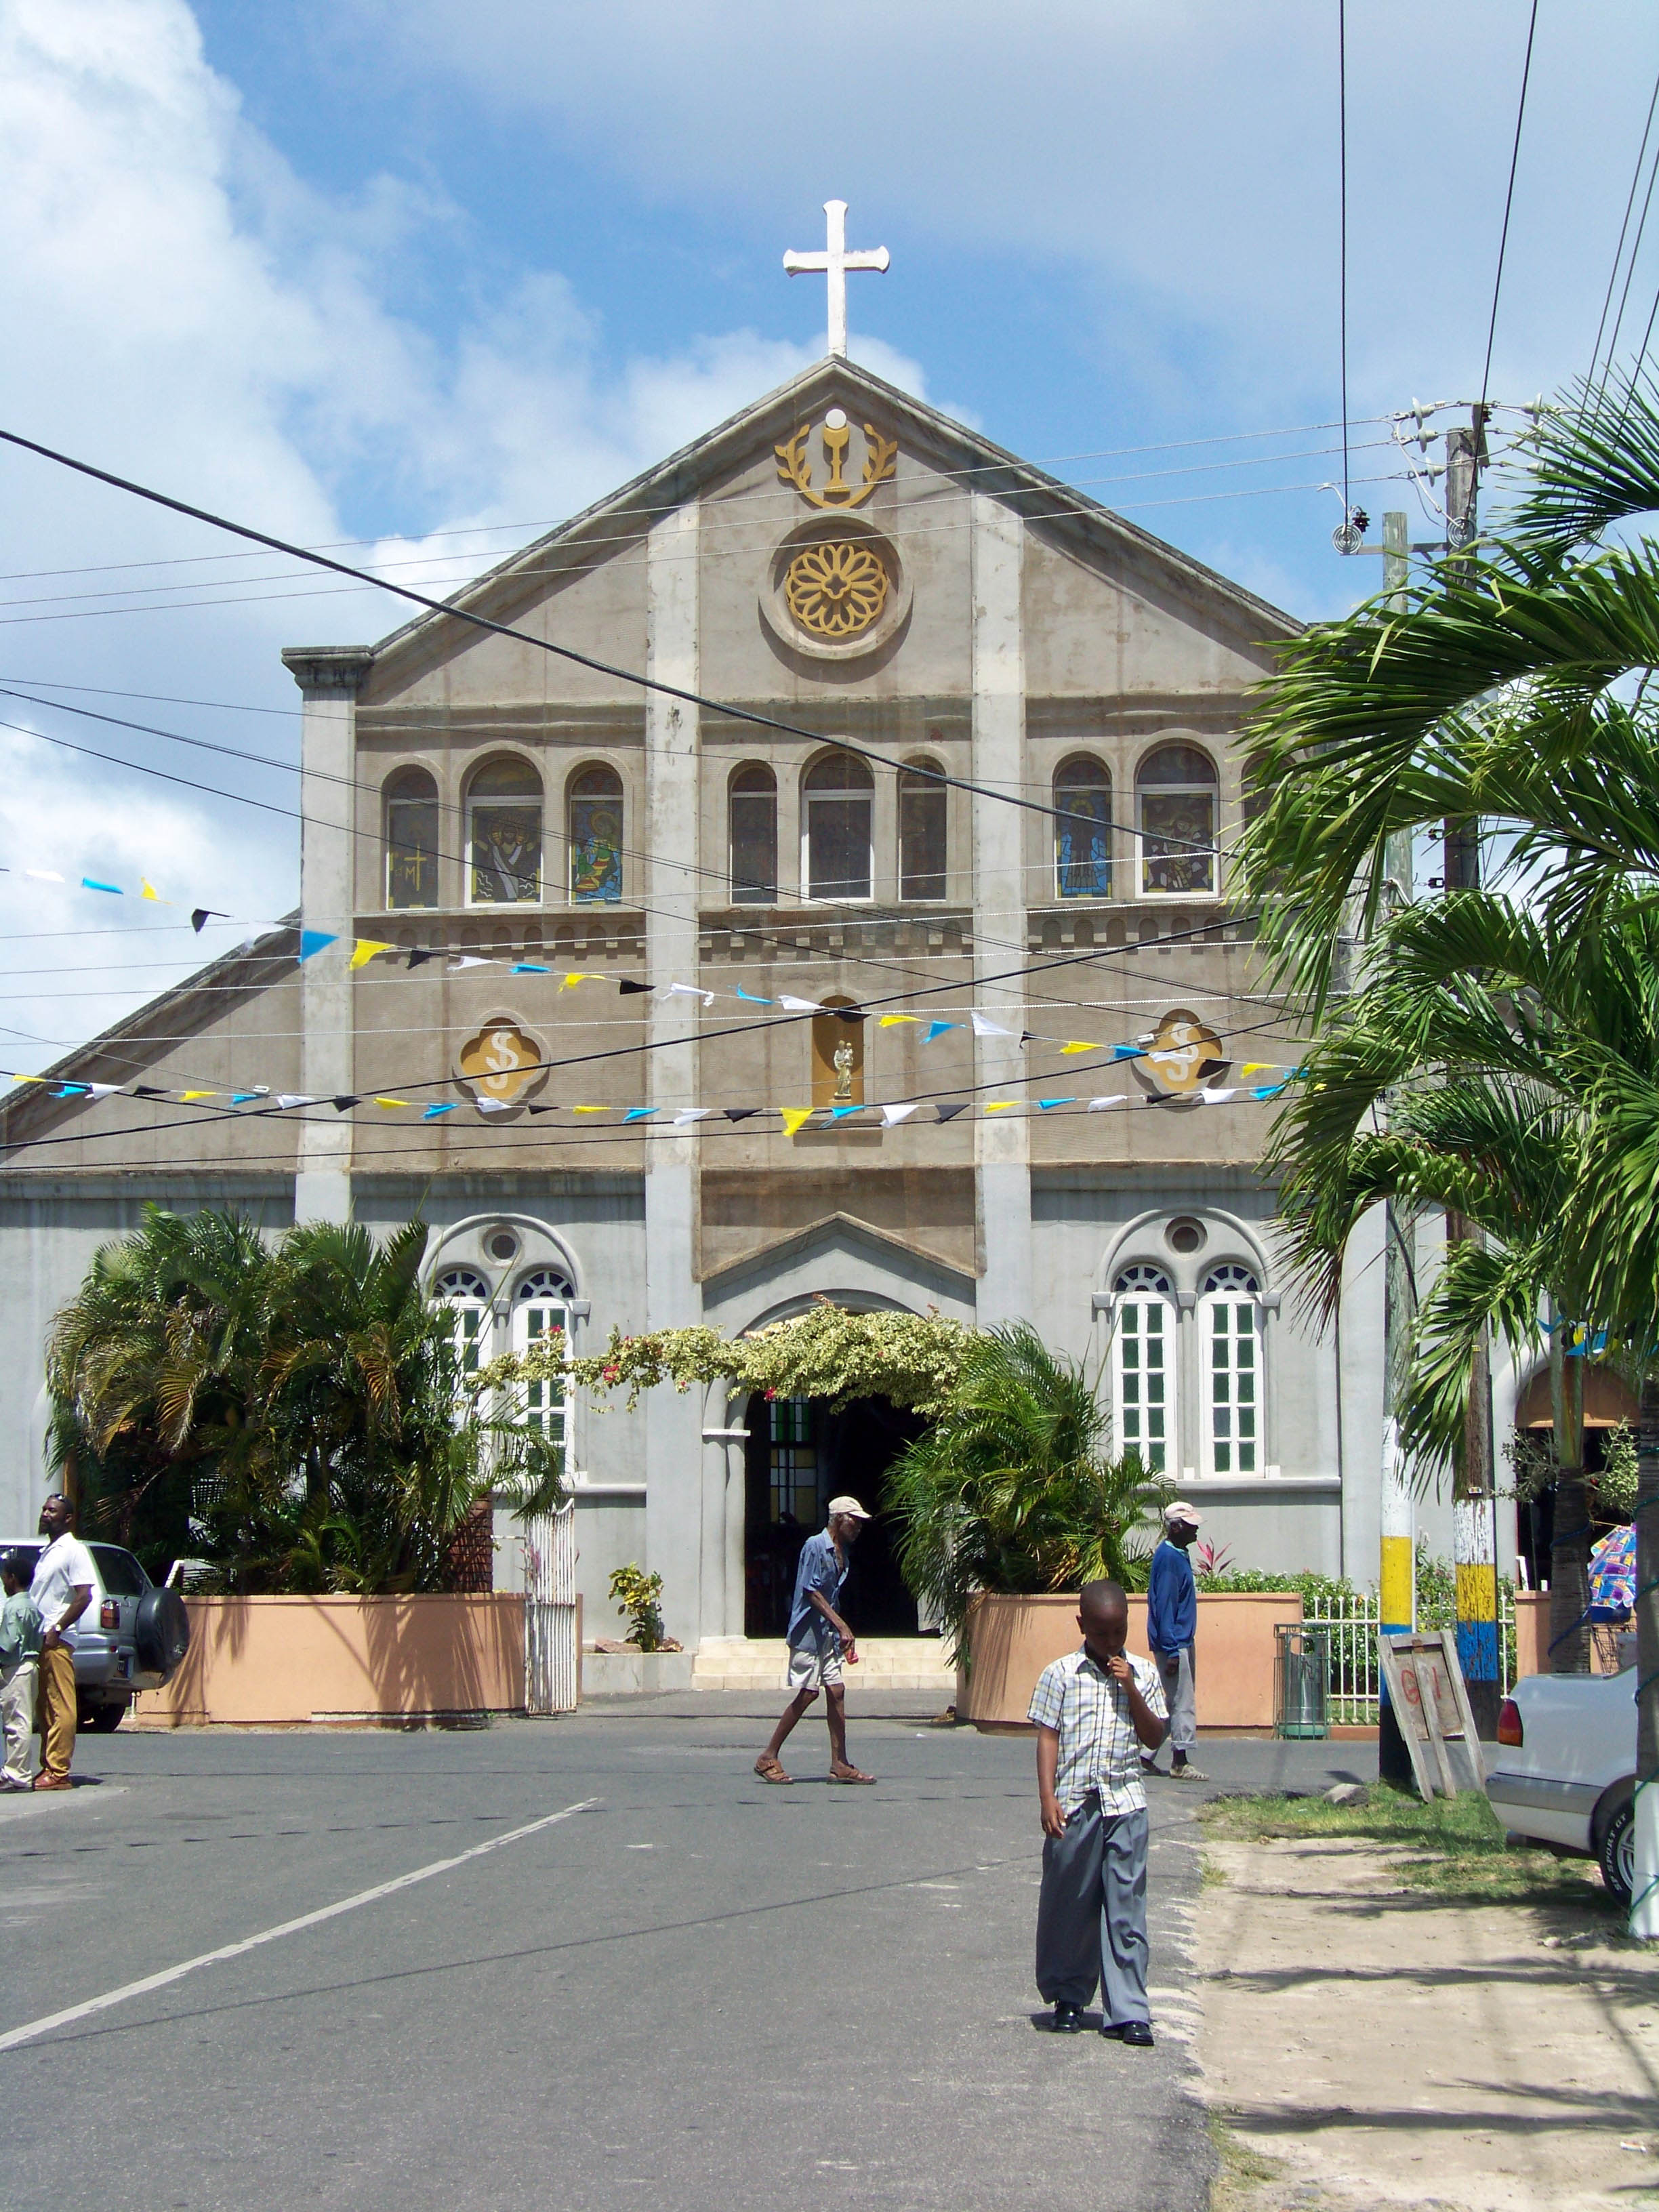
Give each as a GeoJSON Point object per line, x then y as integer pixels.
{"type": "Point", "coordinates": [886, 1663]}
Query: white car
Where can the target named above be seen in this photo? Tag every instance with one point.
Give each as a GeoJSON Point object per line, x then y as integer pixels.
{"type": "Point", "coordinates": [1564, 1773]}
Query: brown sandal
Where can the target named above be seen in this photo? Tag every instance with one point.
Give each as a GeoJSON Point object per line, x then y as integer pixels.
{"type": "Point", "coordinates": [770, 1770]}
{"type": "Point", "coordinates": [839, 1773]}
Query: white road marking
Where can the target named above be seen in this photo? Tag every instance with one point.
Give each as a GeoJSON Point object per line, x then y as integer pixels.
{"type": "Point", "coordinates": [32, 2029]}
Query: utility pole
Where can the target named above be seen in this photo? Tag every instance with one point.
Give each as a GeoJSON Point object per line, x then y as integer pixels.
{"type": "Point", "coordinates": [1475, 1506]}
{"type": "Point", "coordinates": [1397, 1578]}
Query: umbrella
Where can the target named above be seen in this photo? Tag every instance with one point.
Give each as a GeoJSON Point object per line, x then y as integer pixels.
{"type": "Point", "coordinates": [1613, 1575]}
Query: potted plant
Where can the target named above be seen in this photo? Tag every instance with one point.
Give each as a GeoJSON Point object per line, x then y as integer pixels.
{"type": "Point", "coordinates": [1009, 1503]}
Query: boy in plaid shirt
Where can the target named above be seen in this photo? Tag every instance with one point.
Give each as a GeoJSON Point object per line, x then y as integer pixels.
{"type": "Point", "coordinates": [1094, 1710]}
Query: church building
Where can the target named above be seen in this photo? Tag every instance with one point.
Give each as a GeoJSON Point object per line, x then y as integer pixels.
{"type": "Point", "coordinates": [909, 973]}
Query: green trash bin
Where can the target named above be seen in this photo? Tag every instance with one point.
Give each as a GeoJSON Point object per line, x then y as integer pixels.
{"type": "Point", "coordinates": [1302, 1680]}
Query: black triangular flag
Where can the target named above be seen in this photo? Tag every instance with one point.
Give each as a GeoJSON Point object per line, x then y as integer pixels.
{"type": "Point", "coordinates": [846, 1013]}
{"type": "Point", "coordinates": [629, 987]}
{"type": "Point", "coordinates": [199, 915]}
{"type": "Point", "coordinates": [950, 1113]}
{"type": "Point", "coordinates": [1030, 1037]}
{"type": "Point", "coordinates": [343, 1105]}
{"type": "Point", "coordinates": [418, 957]}
{"type": "Point", "coordinates": [740, 1113]}
{"type": "Point", "coordinates": [541, 1109]}
{"type": "Point", "coordinates": [143, 1090]}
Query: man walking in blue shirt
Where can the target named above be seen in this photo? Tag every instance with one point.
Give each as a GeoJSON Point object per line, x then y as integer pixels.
{"type": "Point", "coordinates": [1171, 1629]}
{"type": "Point", "coordinates": [819, 1640]}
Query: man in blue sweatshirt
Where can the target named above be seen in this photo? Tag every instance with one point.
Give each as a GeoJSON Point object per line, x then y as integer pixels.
{"type": "Point", "coordinates": [1171, 1626]}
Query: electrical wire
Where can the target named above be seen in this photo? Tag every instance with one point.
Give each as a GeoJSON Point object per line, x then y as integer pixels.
{"type": "Point", "coordinates": [1508, 198]}
{"type": "Point", "coordinates": [1623, 228]}
{"type": "Point", "coordinates": [1342, 281]}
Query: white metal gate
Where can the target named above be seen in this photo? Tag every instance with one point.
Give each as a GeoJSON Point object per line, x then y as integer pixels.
{"type": "Point", "coordinates": [549, 1612]}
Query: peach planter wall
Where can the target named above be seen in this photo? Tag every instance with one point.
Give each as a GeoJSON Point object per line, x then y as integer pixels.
{"type": "Point", "coordinates": [1012, 1639]}
{"type": "Point", "coordinates": [277, 1659]}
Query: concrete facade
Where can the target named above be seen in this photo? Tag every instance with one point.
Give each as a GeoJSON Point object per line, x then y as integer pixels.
{"type": "Point", "coordinates": [1021, 628]}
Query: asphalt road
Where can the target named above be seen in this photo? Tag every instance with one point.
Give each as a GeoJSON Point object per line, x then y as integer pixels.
{"type": "Point", "coordinates": [694, 1993]}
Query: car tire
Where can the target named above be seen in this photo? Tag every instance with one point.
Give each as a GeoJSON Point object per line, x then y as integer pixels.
{"type": "Point", "coordinates": [102, 1719]}
{"type": "Point", "coordinates": [160, 1631]}
{"type": "Point", "coordinates": [1617, 1854]}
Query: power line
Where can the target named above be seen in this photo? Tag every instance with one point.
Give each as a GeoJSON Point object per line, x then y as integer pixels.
{"type": "Point", "coordinates": [1618, 250]}
{"type": "Point", "coordinates": [1508, 197]}
{"type": "Point", "coordinates": [1342, 281]}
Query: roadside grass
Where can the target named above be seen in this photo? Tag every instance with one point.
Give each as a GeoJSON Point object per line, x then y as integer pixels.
{"type": "Point", "coordinates": [1241, 2172]}
{"type": "Point", "coordinates": [1451, 1845]}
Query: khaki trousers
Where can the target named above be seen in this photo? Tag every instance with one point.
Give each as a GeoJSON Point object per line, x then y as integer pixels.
{"type": "Point", "coordinates": [17, 1688]}
{"type": "Point", "coordinates": [57, 1709]}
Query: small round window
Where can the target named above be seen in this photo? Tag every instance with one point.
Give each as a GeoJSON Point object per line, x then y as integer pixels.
{"type": "Point", "coordinates": [501, 1245]}
{"type": "Point", "coordinates": [1185, 1236]}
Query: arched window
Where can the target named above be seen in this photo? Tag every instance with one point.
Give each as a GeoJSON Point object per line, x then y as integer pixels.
{"type": "Point", "coordinates": [1176, 794]}
{"type": "Point", "coordinates": [541, 1310]}
{"type": "Point", "coordinates": [596, 836]}
{"type": "Point", "coordinates": [464, 1290]}
{"type": "Point", "coordinates": [412, 839]}
{"type": "Point", "coordinates": [837, 800]}
{"type": "Point", "coordinates": [752, 805]}
{"type": "Point", "coordinates": [504, 835]}
{"type": "Point", "coordinates": [1227, 1331]}
{"type": "Point", "coordinates": [1143, 1362]}
{"type": "Point", "coordinates": [1083, 832]}
{"type": "Point", "coordinates": [921, 834]}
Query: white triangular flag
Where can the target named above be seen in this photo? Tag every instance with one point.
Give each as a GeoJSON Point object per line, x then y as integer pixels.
{"type": "Point", "coordinates": [1100, 1105]}
{"type": "Point", "coordinates": [984, 1026]}
{"type": "Point", "coordinates": [296, 1098]}
{"type": "Point", "coordinates": [493, 1105]}
{"type": "Point", "coordinates": [474, 960]}
{"type": "Point", "coordinates": [104, 1090]}
{"type": "Point", "coordinates": [44, 875]}
{"type": "Point", "coordinates": [690, 991]}
{"type": "Point", "coordinates": [1218, 1097]}
{"type": "Point", "coordinates": [692, 1114]}
{"type": "Point", "coordinates": [800, 1006]}
{"type": "Point", "coordinates": [890, 1114]}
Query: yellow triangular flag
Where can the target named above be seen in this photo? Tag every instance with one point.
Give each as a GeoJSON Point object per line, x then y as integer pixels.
{"type": "Point", "coordinates": [391, 1102]}
{"type": "Point", "coordinates": [365, 948]}
{"type": "Point", "coordinates": [793, 1116]}
{"type": "Point", "coordinates": [891, 1021]}
{"type": "Point", "coordinates": [580, 975]}
{"type": "Point", "coordinates": [149, 892]}
{"type": "Point", "coordinates": [1082, 1044]}
{"type": "Point", "coordinates": [1000, 1105]}
{"type": "Point", "coordinates": [188, 1095]}
{"type": "Point", "coordinates": [590, 1110]}
{"type": "Point", "coordinates": [1260, 1066]}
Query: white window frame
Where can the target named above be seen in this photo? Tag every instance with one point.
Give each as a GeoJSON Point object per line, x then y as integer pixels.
{"type": "Point", "coordinates": [808, 799]}
{"type": "Point", "coordinates": [1233, 1291]}
{"type": "Point", "coordinates": [536, 1405]}
{"type": "Point", "coordinates": [473, 1327]}
{"type": "Point", "coordinates": [1142, 1291]}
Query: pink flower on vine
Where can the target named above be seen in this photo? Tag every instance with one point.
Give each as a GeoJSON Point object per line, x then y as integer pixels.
{"type": "Point", "coordinates": [610, 1374]}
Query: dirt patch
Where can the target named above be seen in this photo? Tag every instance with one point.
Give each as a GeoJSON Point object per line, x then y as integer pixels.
{"type": "Point", "coordinates": [1369, 2043]}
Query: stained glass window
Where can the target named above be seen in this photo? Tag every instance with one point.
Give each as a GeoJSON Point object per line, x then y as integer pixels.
{"type": "Point", "coordinates": [596, 837]}
{"type": "Point", "coordinates": [1175, 789]}
{"type": "Point", "coordinates": [1083, 834]}
{"type": "Point", "coordinates": [412, 839]}
{"type": "Point", "coordinates": [504, 835]}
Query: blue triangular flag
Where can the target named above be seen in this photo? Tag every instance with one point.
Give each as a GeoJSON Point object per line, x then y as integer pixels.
{"type": "Point", "coordinates": [433, 1112]}
{"type": "Point", "coordinates": [88, 884]}
{"type": "Point", "coordinates": [840, 1112]}
{"type": "Point", "coordinates": [640, 1113]}
{"type": "Point", "coordinates": [1046, 1102]}
{"type": "Point", "coordinates": [530, 967]}
{"type": "Point", "coordinates": [751, 998]}
{"type": "Point", "coordinates": [937, 1029]}
{"type": "Point", "coordinates": [313, 940]}
{"type": "Point", "coordinates": [1129, 1052]}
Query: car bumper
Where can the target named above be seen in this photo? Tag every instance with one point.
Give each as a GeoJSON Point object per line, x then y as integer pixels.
{"type": "Point", "coordinates": [1553, 1811]}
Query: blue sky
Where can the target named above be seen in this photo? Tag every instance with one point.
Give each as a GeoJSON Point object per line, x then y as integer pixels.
{"type": "Point", "coordinates": [392, 268]}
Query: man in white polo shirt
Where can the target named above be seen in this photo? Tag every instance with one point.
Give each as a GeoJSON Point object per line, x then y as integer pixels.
{"type": "Point", "coordinates": [62, 1590]}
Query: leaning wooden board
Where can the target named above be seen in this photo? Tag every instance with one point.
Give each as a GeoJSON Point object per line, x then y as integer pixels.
{"type": "Point", "coordinates": [1431, 1699]}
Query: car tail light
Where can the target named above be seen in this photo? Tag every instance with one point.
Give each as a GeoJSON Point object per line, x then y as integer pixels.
{"type": "Point", "coordinates": [109, 1614]}
{"type": "Point", "coordinates": [1509, 1729]}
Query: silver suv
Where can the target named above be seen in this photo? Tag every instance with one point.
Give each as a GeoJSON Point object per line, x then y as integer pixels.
{"type": "Point", "coordinates": [133, 1636]}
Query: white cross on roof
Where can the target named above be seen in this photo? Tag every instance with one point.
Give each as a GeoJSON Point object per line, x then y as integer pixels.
{"type": "Point", "coordinates": [833, 263]}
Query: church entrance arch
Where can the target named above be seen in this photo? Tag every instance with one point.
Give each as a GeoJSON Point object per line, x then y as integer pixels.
{"type": "Point", "coordinates": [800, 1455]}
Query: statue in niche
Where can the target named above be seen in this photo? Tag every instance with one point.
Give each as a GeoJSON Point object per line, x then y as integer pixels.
{"type": "Point", "coordinates": [844, 1062]}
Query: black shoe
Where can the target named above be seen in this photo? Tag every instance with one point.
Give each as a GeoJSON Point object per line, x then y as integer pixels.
{"type": "Point", "coordinates": [1134, 2032]}
{"type": "Point", "coordinates": [1068, 2019]}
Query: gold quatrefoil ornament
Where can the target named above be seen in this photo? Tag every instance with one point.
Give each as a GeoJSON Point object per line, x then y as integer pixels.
{"type": "Point", "coordinates": [836, 590]}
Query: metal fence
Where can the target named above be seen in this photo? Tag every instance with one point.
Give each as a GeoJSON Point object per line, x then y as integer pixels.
{"type": "Point", "coordinates": [1352, 1619]}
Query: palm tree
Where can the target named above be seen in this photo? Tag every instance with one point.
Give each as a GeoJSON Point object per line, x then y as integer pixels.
{"type": "Point", "coordinates": [1013, 1489]}
{"type": "Point", "coordinates": [1513, 690]}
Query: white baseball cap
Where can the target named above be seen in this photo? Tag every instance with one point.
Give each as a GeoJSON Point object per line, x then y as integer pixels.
{"type": "Point", "coordinates": [849, 1506]}
{"type": "Point", "coordinates": [1178, 1509]}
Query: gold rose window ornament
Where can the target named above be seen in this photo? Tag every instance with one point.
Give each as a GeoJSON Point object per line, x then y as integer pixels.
{"type": "Point", "coordinates": [836, 589]}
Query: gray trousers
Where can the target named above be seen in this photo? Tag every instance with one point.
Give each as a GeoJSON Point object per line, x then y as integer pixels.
{"type": "Point", "coordinates": [1181, 1695]}
{"type": "Point", "coordinates": [1092, 1917]}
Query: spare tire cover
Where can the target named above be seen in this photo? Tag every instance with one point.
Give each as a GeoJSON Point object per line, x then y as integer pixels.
{"type": "Point", "coordinates": [160, 1631]}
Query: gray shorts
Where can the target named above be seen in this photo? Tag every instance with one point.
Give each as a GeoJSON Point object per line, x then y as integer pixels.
{"type": "Point", "coordinates": [812, 1670]}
